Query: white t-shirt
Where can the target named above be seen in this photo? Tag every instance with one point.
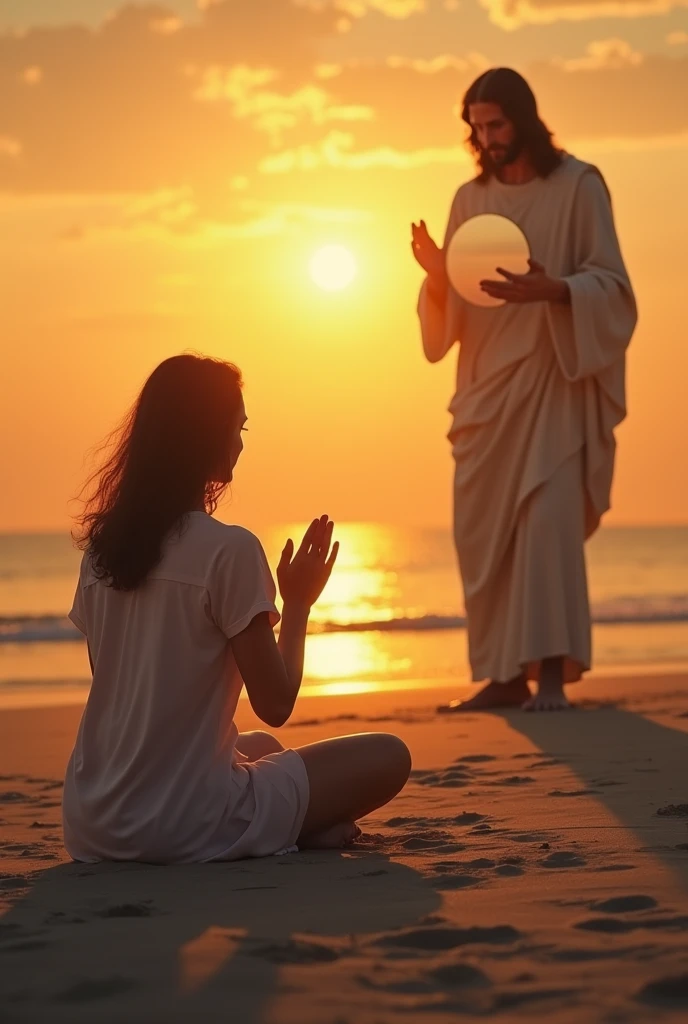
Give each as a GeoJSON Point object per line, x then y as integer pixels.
{"type": "Point", "coordinates": [152, 775]}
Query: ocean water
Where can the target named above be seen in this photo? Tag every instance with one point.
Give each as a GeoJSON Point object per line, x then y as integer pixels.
{"type": "Point", "coordinates": [391, 616]}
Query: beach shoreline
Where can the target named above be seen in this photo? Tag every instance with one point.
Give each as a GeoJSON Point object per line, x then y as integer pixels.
{"type": "Point", "coordinates": [524, 871]}
{"type": "Point", "coordinates": [58, 693]}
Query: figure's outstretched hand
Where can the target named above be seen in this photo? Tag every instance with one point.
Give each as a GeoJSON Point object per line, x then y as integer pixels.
{"type": "Point", "coordinates": [302, 576]}
{"type": "Point", "coordinates": [535, 286]}
{"type": "Point", "coordinates": [426, 252]}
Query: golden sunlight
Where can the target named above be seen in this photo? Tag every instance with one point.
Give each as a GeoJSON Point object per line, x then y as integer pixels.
{"type": "Point", "coordinates": [333, 267]}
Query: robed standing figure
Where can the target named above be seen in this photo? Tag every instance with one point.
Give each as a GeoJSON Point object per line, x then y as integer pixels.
{"type": "Point", "coordinates": [540, 390]}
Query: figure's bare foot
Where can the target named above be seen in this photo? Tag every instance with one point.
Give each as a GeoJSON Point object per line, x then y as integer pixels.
{"type": "Point", "coordinates": [493, 695]}
{"type": "Point", "coordinates": [334, 838]}
{"type": "Point", "coordinates": [550, 696]}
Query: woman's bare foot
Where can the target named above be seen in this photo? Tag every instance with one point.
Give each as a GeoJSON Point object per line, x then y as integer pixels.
{"type": "Point", "coordinates": [550, 696]}
{"type": "Point", "coordinates": [494, 695]}
{"type": "Point", "coordinates": [334, 838]}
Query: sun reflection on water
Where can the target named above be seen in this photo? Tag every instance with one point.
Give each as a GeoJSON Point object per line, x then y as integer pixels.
{"type": "Point", "coordinates": [362, 587]}
{"type": "Point", "coordinates": [351, 656]}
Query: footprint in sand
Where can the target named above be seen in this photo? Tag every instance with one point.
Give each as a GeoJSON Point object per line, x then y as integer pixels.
{"type": "Point", "coordinates": [468, 818]}
{"type": "Point", "coordinates": [446, 780]}
{"type": "Point", "coordinates": [34, 850]}
{"type": "Point", "coordinates": [625, 904]}
{"type": "Point", "coordinates": [530, 837]}
{"type": "Point", "coordinates": [616, 867]}
{"type": "Point", "coordinates": [457, 874]}
{"type": "Point", "coordinates": [434, 939]}
{"type": "Point", "coordinates": [564, 859]}
{"type": "Point", "coordinates": [509, 870]}
{"type": "Point", "coordinates": [573, 792]}
{"type": "Point", "coordinates": [674, 811]}
{"type": "Point", "coordinates": [669, 992]}
{"type": "Point", "coordinates": [618, 926]}
{"type": "Point", "coordinates": [460, 976]}
{"type": "Point", "coordinates": [423, 840]}
{"type": "Point", "coordinates": [451, 778]}
{"type": "Point", "coordinates": [430, 839]}
{"type": "Point", "coordinates": [446, 976]}
{"type": "Point", "coordinates": [607, 925]}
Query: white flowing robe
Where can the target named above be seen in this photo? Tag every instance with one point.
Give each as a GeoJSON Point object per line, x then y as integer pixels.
{"type": "Point", "coordinates": [540, 390]}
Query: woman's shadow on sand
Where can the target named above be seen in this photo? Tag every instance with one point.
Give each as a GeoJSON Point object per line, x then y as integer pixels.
{"type": "Point", "coordinates": [133, 942]}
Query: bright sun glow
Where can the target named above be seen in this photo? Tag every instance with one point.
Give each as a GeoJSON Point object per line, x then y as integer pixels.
{"type": "Point", "coordinates": [333, 267]}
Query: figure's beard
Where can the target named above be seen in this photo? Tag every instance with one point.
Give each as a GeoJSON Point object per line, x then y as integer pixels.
{"type": "Point", "coordinates": [496, 157]}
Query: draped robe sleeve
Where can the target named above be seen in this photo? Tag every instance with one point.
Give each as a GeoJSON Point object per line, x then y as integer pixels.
{"type": "Point", "coordinates": [591, 334]}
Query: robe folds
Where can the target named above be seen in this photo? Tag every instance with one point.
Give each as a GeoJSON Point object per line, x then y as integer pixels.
{"type": "Point", "coordinates": [540, 390]}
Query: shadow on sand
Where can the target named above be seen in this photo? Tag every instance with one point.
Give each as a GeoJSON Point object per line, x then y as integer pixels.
{"type": "Point", "coordinates": [635, 767]}
{"type": "Point", "coordinates": [176, 943]}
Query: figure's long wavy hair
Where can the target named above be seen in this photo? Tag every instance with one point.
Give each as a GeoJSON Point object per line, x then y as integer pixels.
{"type": "Point", "coordinates": [170, 455]}
{"type": "Point", "coordinates": [511, 92]}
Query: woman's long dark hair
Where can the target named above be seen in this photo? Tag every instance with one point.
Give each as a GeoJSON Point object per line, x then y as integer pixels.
{"type": "Point", "coordinates": [511, 92]}
{"type": "Point", "coordinates": [169, 456]}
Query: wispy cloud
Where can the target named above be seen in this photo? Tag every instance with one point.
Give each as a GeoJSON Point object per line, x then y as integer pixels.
{"type": "Point", "coordinates": [602, 54]}
{"type": "Point", "coordinates": [512, 14]}
{"type": "Point", "coordinates": [338, 151]}
{"type": "Point", "coordinates": [268, 109]}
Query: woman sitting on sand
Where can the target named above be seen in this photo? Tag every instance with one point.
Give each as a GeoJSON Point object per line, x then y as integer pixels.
{"type": "Point", "coordinates": [178, 611]}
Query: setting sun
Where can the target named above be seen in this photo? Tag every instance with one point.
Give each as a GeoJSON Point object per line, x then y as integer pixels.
{"type": "Point", "coordinates": [333, 268]}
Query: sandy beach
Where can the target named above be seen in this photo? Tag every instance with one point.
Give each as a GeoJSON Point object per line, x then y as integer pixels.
{"type": "Point", "coordinates": [534, 867]}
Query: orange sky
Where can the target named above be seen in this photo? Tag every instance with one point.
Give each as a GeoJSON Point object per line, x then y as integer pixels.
{"type": "Point", "coordinates": [166, 173]}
